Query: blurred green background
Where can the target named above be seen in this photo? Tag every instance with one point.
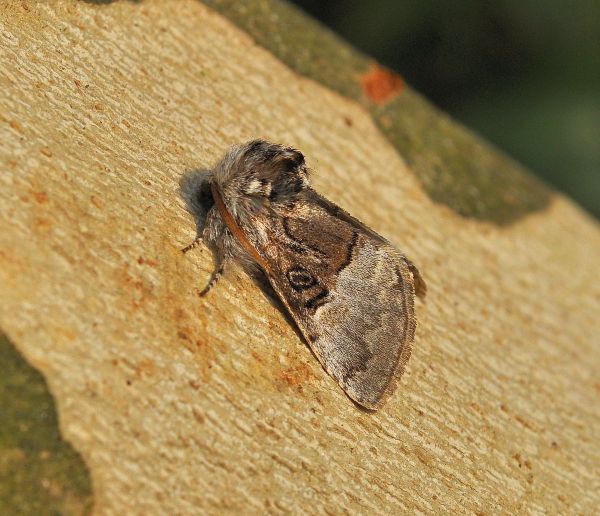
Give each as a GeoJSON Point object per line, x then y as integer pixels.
{"type": "Point", "coordinates": [524, 74]}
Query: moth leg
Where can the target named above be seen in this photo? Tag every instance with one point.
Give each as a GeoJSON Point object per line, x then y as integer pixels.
{"type": "Point", "coordinates": [215, 277]}
{"type": "Point", "coordinates": [197, 241]}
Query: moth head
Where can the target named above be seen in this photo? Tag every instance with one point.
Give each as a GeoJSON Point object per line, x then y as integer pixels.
{"type": "Point", "coordinates": [204, 198]}
{"type": "Point", "coordinates": [261, 169]}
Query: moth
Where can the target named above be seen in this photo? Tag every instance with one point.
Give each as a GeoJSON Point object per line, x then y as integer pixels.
{"type": "Point", "coordinates": [349, 291]}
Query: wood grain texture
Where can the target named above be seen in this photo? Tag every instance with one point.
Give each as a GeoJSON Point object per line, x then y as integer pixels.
{"type": "Point", "coordinates": [186, 405]}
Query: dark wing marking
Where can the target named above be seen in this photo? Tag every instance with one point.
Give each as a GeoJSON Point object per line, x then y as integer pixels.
{"type": "Point", "coordinates": [349, 291]}
{"type": "Point", "coordinates": [337, 212]}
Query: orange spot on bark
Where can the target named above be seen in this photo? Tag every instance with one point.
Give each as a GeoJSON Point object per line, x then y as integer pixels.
{"type": "Point", "coordinates": [524, 422]}
{"type": "Point", "coordinates": [184, 334]}
{"type": "Point", "coordinates": [257, 356]}
{"type": "Point", "coordinates": [145, 367]}
{"type": "Point", "coordinates": [381, 84]}
{"type": "Point", "coordinates": [43, 224]}
{"type": "Point", "coordinates": [41, 197]}
{"type": "Point", "coordinates": [295, 376]}
{"type": "Point", "coordinates": [96, 202]}
{"type": "Point", "coordinates": [15, 125]}
{"type": "Point", "coordinates": [194, 384]}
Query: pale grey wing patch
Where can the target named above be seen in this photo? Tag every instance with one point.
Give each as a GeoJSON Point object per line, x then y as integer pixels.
{"type": "Point", "coordinates": [367, 327]}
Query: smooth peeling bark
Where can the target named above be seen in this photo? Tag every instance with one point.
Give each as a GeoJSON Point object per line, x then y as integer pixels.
{"type": "Point", "coordinates": [186, 405]}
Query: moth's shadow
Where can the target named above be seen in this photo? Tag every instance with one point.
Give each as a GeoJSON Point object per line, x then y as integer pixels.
{"type": "Point", "coordinates": [194, 189]}
{"type": "Point", "coordinates": [260, 279]}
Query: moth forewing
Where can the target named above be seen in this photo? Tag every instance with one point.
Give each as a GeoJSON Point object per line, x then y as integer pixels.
{"type": "Point", "coordinates": [348, 290]}
{"type": "Point", "coordinates": [350, 293]}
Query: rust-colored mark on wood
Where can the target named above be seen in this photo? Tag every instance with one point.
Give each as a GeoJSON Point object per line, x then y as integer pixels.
{"type": "Point", "coordinates": [146, 368]}
{"type": "Point", "coordinates": [141, 261]}
{"type": "Point", "coordinates": [40, 197]}
{"type": "Point", "coordinates": [297, 375]}
{"type": "Point", "coordinates": [381, 84]}
{"type": "Point", "coordinates": [95, 200]}
{"type": "Point", "coordinates": [42, 224]}
{"type": "Point", "coordinates": [15, 125]}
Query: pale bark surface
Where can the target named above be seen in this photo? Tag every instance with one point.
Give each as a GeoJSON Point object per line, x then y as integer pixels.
{"type": "Point", "coordinates": [186, 405]}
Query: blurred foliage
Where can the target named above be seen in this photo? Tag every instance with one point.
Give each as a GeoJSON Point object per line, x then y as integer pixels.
{"type": "Point", "coordinates": [40, 473]}
{"type": "Point", "coordinates": [524, 74]}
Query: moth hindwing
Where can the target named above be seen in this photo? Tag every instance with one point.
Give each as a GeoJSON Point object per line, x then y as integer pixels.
{"type": "Point", "coordinates": [350, 292]}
